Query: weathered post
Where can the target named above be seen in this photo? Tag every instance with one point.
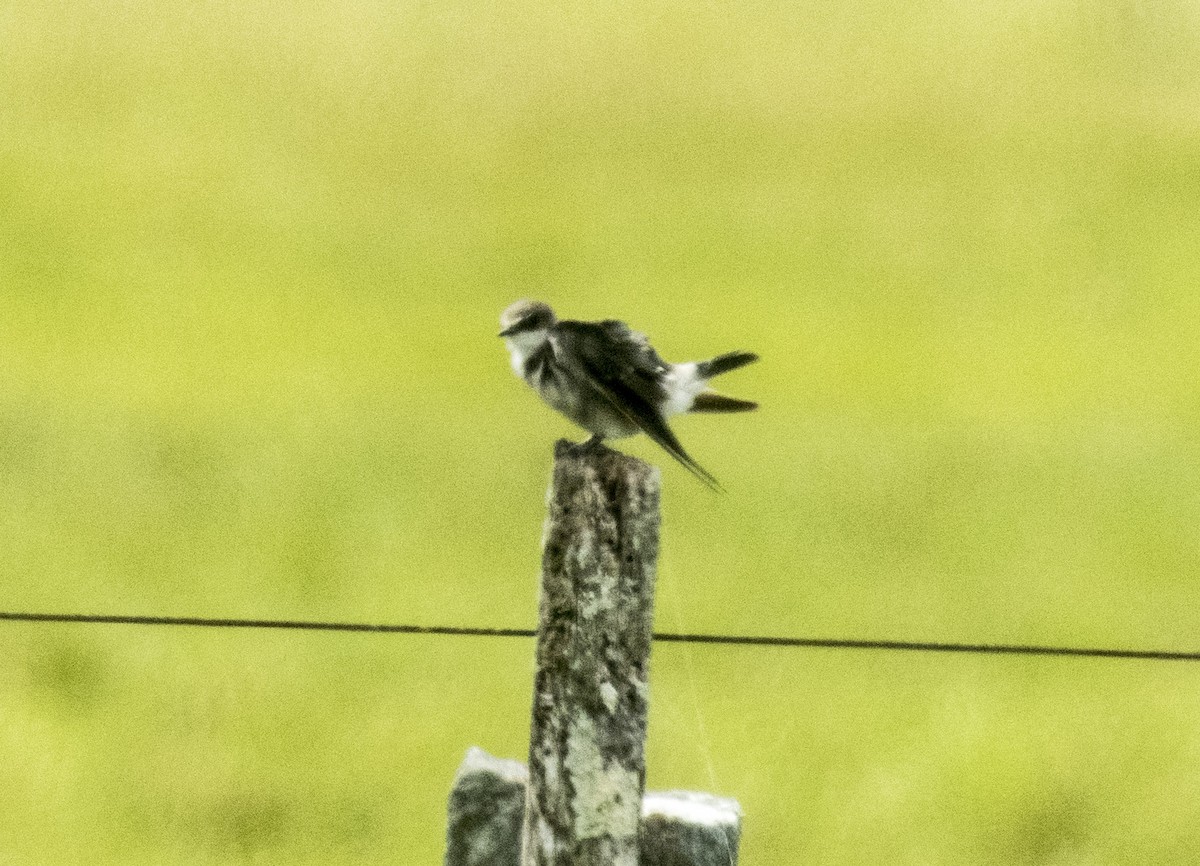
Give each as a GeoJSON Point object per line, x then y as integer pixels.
{"type": "Point", "coordinates": [580, 803]}
{"type": "Point", "coordinates": [588, 730]}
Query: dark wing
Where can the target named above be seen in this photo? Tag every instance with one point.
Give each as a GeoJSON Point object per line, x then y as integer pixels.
{"type": "Point", "coordinates": [623, 367]}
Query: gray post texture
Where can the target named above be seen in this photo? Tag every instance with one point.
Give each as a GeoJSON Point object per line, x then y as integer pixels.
{"type": "Point", "coordinates": [587, 765]}
{"type": "Point", "coordinates": [486, 806]}
{"type": "Point", "coordinates": [688, 828]}
{"type": "Point", "coordinates": [679, 828]}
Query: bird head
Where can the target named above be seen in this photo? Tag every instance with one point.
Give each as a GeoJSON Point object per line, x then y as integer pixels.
{"type": "Point", "coordinates": [525, 317]}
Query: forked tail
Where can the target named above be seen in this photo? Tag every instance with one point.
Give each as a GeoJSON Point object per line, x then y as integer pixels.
{"type": "Point", "coordinates": [724, 363]}
{"type": "Point", "coordinates": [711, 401]}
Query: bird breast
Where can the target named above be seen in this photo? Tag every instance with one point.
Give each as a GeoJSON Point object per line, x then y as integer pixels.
{"type": "Point", "coordinates": [523, 346]}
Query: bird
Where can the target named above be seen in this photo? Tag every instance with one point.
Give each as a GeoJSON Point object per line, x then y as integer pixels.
{"type": "Point", "coordinates": [608, 379]}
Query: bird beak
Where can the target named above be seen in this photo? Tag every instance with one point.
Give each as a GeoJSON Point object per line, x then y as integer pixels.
{"type": "Point", "coordinates": [507, 332]}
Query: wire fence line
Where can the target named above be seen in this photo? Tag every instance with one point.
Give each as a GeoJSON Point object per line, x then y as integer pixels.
{"type": "Point", "coordinates": [662, 637]}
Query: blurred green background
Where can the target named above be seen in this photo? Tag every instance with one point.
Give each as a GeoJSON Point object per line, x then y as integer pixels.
{"type": "Point", "coordinates": [251, 259]}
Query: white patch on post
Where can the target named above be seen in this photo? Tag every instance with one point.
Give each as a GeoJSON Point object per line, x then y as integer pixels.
{"type": "Point", "coordinates": [585, 547]}
{"type": "Point", "coordinates": [596, 602]}
{"type": "Point", "coordinates": [606, 797]}
{"type": "Point", "coordinates": [545, 833]}
{"type": "Point", "coordinates": [550, 773]}
{"type": "Point", "coordinates": [690, 807]}
{"type": "Point", "coordinates": [608, 694]}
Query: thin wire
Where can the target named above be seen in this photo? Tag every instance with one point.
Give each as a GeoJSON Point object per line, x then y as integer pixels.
{"type": "Point", "coordinates": [932, 646]}
{"type": "Point", "coordinates": [662, 637]}
{"type": "Point", "coordinates": [303, 625]}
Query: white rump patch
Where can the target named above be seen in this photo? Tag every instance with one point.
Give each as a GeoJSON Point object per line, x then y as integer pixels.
{"type": "Point", "coordinates": [682, 383]}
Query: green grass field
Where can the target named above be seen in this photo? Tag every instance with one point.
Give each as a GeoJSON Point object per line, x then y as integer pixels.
{"type": "Point", "coordinates": [251, 259]}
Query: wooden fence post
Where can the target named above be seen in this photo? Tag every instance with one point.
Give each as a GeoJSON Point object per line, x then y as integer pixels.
{"type": "Point", "coordinates": [587, 766]}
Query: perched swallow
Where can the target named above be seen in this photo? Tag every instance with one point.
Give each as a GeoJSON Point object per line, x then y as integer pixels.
{"type": "Point", "coordinates": [608, 379]}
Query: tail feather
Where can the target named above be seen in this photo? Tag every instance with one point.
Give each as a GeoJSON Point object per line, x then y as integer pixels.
{"type": "Point", "coordinates": [710, 401]}
{"type": "Point", "coordinates": [724, 363]}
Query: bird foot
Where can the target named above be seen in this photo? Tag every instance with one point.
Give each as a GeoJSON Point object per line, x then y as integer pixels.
{"type": "Point", "coordinates": [590, 446]}
{"type": "Point", "coordinates": [595, 443]}
{"type": "Point", "coordinates": [567, 448]}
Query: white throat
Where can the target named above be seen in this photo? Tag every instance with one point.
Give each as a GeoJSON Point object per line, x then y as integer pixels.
{"type": "Point", "coordinates": [521, 346]}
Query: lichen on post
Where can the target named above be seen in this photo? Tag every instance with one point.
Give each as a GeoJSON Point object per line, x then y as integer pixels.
{"type": "Point", "coordinates": [588, 729]}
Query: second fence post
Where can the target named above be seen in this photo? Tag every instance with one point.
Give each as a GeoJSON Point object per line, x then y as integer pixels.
{"type": "Point", "coordinates": [587, 766]}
